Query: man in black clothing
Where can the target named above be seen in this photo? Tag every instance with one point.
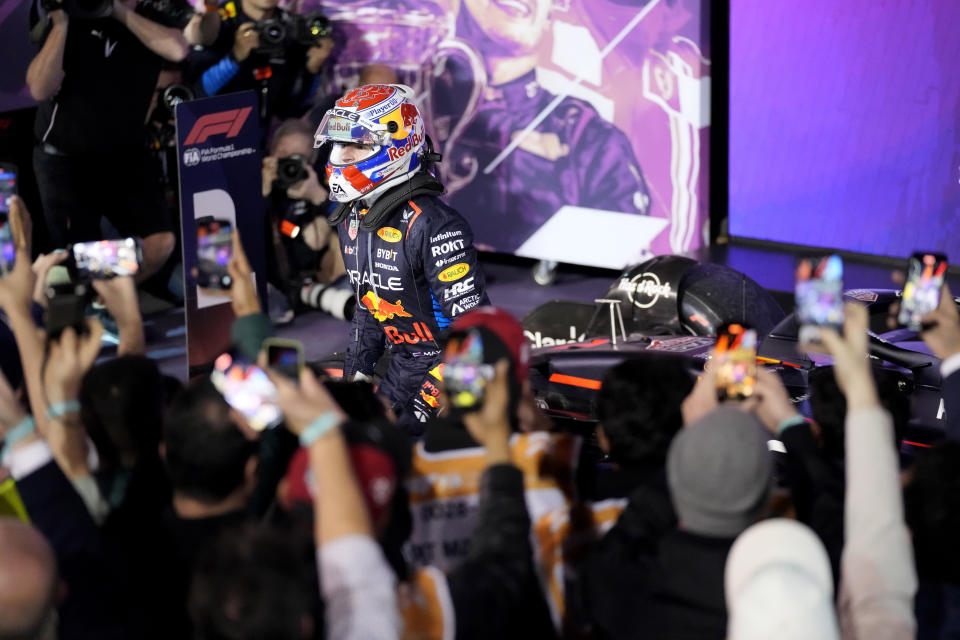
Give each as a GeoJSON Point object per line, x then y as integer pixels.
{"type": "Point", "coordinates": [659, 576]}
{"type": "Point", "coordinates": [245, 56]}
{"type": "Point", "coordinates": [211, 464]}
{"type": "Point", "coordinates": [95, 80]}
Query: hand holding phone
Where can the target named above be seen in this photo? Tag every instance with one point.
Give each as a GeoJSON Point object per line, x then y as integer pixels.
{"type": "Point", "coordinates": [8, 186]}
{"type": "Point", "coordinates": [214, 250]}
{"type": "Point", "coordinates": [247, 389]}
{"type": "Point", "coordinates": [819, 296]}
{"type": "Point", "coordinates": [285, 356]}
{"type": "Point", "coordinates": [105, 259]}
{"type": "Point", "coordinates": [921, 293]}
{"type": "Point", "coordinates": [8, 189]}
{"type": "Point", "coordinates": [465, 375]}
{"type": "Point", "coordinates": [736, 362]}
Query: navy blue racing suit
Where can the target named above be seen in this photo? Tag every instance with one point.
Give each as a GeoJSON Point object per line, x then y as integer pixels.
{"type": "Point", "coordinates": [411, 276]}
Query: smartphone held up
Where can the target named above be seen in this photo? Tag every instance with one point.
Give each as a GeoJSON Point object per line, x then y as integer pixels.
{"type": "Point", "coordinates": [214, 250]}
{"type": "Point", "coordinates": [819, 296]}
{"type": "Point", "coordinates": [921, 293]}
{"type": "Point", "coordinates": [735, 359]}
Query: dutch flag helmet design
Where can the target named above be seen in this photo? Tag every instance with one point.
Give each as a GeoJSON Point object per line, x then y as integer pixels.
{"type": "Point", "coordinates": [385, 121]}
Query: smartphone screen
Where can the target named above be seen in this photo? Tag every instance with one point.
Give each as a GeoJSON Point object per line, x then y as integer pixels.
{"type": "Point", "coordinates": [8, 250]}
{"type": "Point", "coordinates": [465, 375]}
{"type": "Point", "coordinates": [8, 186]}
{"type": "Point", "coordinates": [107, 258]}
{"type": "Point", "coordinates": [214, 249]}
{"type": "Point", "coordinates": [735, 357]}
{"type": "Point", "coordinates": [921, 293]}
{"type": "Point", "coordinates": [285, 357]}
{"type": "Point", "coordinates": [819, 295]}
{"type": "Point", "coordinates": [247, 389]}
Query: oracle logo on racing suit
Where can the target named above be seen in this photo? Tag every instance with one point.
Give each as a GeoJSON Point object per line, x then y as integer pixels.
{"type": "Point", "coordinates": [421, 334]}
{"type": "Point", "coordinates": [644, 290]}
{"type": "Point", "coordinates": [458, 289]}
{"type": "Point", "coordinates": [398, 152]}
{"type": "Point", "coordinates": [446, 247]}
{"type": "Point", "coordinates": [381, 309]}
{"type": "Point", "coordinates": [375, 280]}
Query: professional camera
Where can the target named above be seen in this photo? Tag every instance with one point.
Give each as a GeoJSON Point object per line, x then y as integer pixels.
{"type": "Point", "coordinates": [169, 99]}
{"type": "Point", "coordinates": [276, 35]}
{"type": "Point", "coordinates": [290, 171]}
{"type": "Point", "coordinates": [310, 28]}
{"type": "Point", "coordinates": [273, 36]}
{"type": "Point", "coordinates": [165, 133]}
{"type": "Point", "coordinates": [169, 13]}
{"type": "Point", "coordinates": [80, 9]}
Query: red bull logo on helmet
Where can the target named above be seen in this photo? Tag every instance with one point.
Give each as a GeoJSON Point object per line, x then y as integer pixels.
{"type": "Point", "coordinates": [381, 309]}
{"type": "Point", "coordinates": [413, 142]}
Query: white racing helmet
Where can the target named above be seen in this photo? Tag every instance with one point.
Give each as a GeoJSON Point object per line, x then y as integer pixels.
{"type": "Point", "coordinates": [383, 119]}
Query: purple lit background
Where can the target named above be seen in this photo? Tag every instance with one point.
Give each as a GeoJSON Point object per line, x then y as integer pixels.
{"type": "Point", "coordinates": [845, 124]}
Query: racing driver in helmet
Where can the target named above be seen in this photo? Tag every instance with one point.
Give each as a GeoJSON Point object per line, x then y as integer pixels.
{"type": "Point", "coordinates": [409, 256]}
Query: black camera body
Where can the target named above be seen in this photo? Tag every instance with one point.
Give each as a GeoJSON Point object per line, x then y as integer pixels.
{"type": "Point", "coordinates": [169, 13]}
{"type": "Point", "coordinates": [278, 34]}
{"type": "Point", "coordinates": [80, 9]}
{"type": "Point", "coordinates": [290, 171]}
{"type": "Point", "coordinates": [66, 307]}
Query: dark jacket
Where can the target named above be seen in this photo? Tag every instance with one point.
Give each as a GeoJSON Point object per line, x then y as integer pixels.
{"type": "Point", "coordinates": [817, 487]}
{"type": "Point", "coordinates": [495, 592]}
{"type": "Point", "coordinates": [648, 579]}
{"type": "Point", "coordinates": [91, 608]}
{"type": "Point", "coordinates": [951, 405]}
{"type": "Point", "coordinates": [411, 276]}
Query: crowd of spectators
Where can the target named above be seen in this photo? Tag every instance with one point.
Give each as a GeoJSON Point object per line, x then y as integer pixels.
{"type": "Point", "coordinates": [141, 507]}
{"type": "Point", "coordinates": [146, 508]}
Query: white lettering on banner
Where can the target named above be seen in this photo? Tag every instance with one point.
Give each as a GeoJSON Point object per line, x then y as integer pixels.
{"type": "Point", "coordinates": [538, 340]}
{"type": "Point", "coordinates": [386, 254]}
{"type": "Point", "coordinates": [213, 154]}
{"type": "Point", "coordinates": [446, 247]}
{"type": "Point", "coordinates": [392, 283]}
{"type": "Point", "coordinates": [388, 267]}
{"type": "Point", "coordinates": [446, 234]}
{"type": "Point", "coordinates": [942, 411]}
{"type": "Point", "coordinates": [644, 290]}
{"type": "Point", "coordinates": [444, 490]}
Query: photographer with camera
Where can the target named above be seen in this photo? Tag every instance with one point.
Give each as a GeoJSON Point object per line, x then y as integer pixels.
{"type": "Point", "coordinates": [306, 263]}
{"type": "Point", "coordinates": [266, 49]}
{"type": "Point", "coordinates": [94, 80]}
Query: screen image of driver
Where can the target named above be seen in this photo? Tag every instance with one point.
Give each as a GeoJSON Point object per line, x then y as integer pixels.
{"type": "Point", "coordinates": [574, 157]}
{"type": "Point", "coordinates": [409, 256]}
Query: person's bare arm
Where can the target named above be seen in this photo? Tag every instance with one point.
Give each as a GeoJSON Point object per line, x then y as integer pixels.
{"type": "Point", "coordinates": [203, 28]}
{"type": "Point", "coordinates": [166, 42]}
{"type": "Point", "coordinates": [16, 292]}
{"type": "Point", "coordinates": [45, 73]}
{"type": "Point", "coordinates": [120, 297]}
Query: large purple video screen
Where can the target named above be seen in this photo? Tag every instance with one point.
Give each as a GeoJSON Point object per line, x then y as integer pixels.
{"type": "Point", "coordinates": [571, 130]}
{"type": "Point", "coordinates": [845, 124]}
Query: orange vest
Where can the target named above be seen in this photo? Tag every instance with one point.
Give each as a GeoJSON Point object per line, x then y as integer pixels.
{"type": "Point", "coordinates": [444, 492]}
{"type": "Point", "coordinates": [425, 607]}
